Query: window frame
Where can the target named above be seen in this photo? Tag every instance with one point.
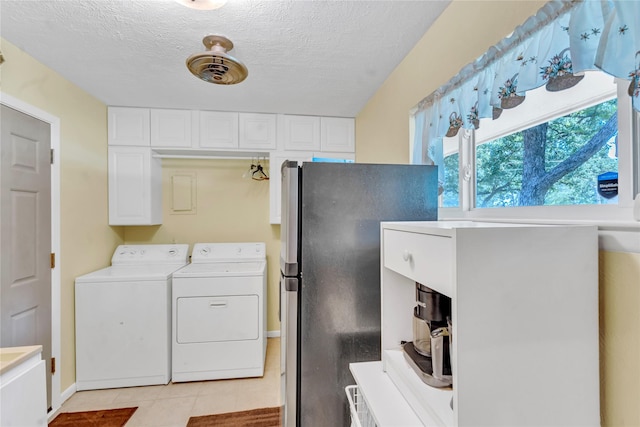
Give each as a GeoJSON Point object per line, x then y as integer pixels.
{"type": "Point", "coordinates": [619, 216]}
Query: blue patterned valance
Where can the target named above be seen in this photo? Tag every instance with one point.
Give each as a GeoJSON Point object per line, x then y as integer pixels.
{"type": "Point", "coordinates": [552, 48]}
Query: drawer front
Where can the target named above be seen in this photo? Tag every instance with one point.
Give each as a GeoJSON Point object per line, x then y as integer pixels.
{"type": "Point", "coordinates": [424, 258]}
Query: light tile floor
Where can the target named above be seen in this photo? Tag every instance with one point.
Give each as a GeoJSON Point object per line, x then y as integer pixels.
{"type": "Point", "coordinates": [171, 405]}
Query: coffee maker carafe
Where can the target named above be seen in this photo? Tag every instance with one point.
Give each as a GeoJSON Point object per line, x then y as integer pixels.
{"type": "Point", "coordinates": [429, 353]}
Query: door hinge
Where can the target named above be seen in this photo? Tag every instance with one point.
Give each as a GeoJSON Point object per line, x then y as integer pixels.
{"type": "Point", "coordinates": [52, 156]}
{"type": "Point", "coordinates": [53, 260]}
{"type": "Point", "coordinates": [53, 365]}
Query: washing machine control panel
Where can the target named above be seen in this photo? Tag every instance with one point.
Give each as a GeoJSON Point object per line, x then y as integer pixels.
{"type": "Point", "coordinates": [150, 254]}
{"type": "Point", "coordinates": [229, 252]}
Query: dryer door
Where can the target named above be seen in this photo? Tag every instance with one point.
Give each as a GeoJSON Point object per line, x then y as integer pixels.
{"type": "Point", "coordinates": [217, 318]}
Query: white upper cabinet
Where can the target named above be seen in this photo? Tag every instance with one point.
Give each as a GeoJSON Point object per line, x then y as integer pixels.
{"type": "Point", "coordinates": [300, 132]}
{"type": "Point", "coordinates": [218, 130]}
{"type": "Point", "coordinates": [171, 128]}
{"type": "Point", "coordinates": [257, 131]}
{"type": "Point", "coordinates": [337, 134]}
{"type": "Point", "coordinates": [128, 126]}
{"type": "Point", "coordinates": [275, 180]}
{"type": "Point", "coordinates": [140, 137]}
{"type": "Point", "coordinates": [275, 185]}
{"type": "Point", "coordinates": [135, 186]}
{"type": "Point", "coordinates": [312, 133]}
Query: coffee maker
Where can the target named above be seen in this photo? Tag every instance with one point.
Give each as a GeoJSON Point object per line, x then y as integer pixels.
{"type": "Point", "coordinates": [429, 352]}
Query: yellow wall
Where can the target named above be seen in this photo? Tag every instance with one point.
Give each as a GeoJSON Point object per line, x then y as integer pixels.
{"type": "Point", "coordinates": [87, 241]}
{"type": "Point", "coordinates": [229, 208]}
{"type": "Point", "coordinates": [232, 208]}
{"type": "Point", "coordinates": [463, 33]}
{"type": "Point", "coordinates": [620, 338]}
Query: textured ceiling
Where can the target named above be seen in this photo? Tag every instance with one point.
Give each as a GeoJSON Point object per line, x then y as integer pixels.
{"type": "Point", "coordinates": [304, 57]}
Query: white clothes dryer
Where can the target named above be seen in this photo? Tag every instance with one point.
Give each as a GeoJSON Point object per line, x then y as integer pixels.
{"type": "Point", "coordinates": [219, 313]}
{"type": "Point", "coordinates": [123, 318]}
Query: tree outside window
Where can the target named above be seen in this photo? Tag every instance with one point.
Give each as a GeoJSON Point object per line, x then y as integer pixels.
{"type": "Point", "coordinates": [553, 163]}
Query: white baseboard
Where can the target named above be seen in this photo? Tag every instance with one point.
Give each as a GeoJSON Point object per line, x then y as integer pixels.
{"type": "Point", "coordinates": [273, 334]}
{"type": "Point", "coordinates": [68, 392]}
{"type": "Point", "coordinates": [64, 396]}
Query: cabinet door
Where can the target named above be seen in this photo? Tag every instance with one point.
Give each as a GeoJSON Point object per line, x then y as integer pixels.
{"type": "Point", "coordinates": [135, 187]}
{"type": "Point", "coordinates": [257, 131]}
{"type": "Point", "coordinates": [128, 126]}
{"type": "Point", "coordinates": [171, 128]}
{"type": "Point", "coordinates": [23, 397]}
{"type": "Point", "coordinates": [275, 189]}
{"type": "Point", "coordinates": [337, 134]}
{"type": "Point", "coordinates": [300, 132]}
{"type": "Point", "coordinates": [218, 130]}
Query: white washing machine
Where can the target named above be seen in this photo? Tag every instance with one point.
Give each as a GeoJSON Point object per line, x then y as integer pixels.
{"type": "Point", "coordinates": [123, 318]}
{"type": "Point", "coordinates": [219, 313]}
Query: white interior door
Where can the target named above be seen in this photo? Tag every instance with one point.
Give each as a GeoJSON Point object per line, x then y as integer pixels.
{"type": "Point", "coordinates": [25, 233]}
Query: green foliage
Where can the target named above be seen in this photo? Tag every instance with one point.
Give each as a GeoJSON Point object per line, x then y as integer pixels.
{"type": "Point", "coordinates": [451, 187]}
{"type": "Point", "coordinates": [566, 136]}
{"type": "Point", "coordinates": [499, 163]}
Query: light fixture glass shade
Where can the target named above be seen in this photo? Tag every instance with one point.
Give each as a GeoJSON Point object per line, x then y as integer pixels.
{"type": "Point", "coordinates": [203, 4]}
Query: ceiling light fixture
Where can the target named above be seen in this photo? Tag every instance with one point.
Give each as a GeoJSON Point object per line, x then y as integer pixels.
{"type": "Point", "coordinates": [203, 4]}
{"type": "Point", "coordinates": [215, 65]}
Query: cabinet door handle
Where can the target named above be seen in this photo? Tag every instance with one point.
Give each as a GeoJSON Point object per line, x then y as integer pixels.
{"type": "Point", "coordinates": [406, 255]}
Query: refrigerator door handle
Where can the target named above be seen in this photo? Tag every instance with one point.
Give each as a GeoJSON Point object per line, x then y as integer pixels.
{"type": "Point", "coordinates": [280, 304]}
{"type": "Point", "coordinates": [289, 349]}
{"type": "Point", "coordinates": [289, 218]}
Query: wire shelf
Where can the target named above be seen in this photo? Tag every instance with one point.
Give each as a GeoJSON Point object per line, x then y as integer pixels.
{"type": "Point", "coordinates": [360, 415]}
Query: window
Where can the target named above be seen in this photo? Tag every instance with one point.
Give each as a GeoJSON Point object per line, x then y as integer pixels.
{"type": "Point", "coordinates": [569, 160]}
{"type": "Point", "coordinates": [451, 193]}
{"type": "Point", "coordinates": [557, 156]}
{"type": "Point", "coordinates": [635, 166]}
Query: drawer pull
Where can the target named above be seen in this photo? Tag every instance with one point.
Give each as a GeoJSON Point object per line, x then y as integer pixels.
{"type": "Point", "coordinates": [406, 255]}
{"type": "Point", "coordinates": [218, 304]}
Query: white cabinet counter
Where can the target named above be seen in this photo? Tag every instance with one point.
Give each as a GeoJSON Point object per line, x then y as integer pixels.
{"type": "Point", "coordinates": [524, 319]}
{"type": "Point", "coordinates": [23, 388]}
{"type": "Point", "coordinates": [391, 408]}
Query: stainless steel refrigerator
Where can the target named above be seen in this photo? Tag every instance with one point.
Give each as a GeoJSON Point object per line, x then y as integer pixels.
{"type": "Point", "coordinates": [330, 275]}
